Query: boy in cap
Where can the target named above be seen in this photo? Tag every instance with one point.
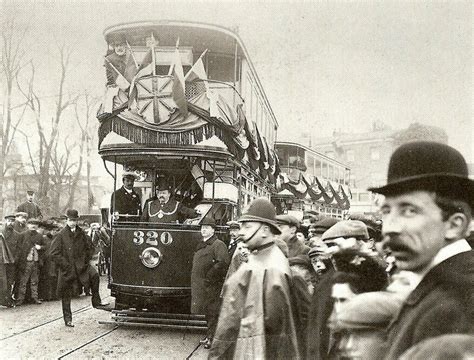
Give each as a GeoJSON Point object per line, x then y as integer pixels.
{"type": "Point", "coordinates": [257, 315]}
{"type": "Point", "coordinates": [30, 242]}
{"type": "Point", "coordinates": [288, 226]}
{"type": "Point", "coordinates": [210, 262]}
{"type": "Point", "coordinates": [126, 201]}
{"type": "Point", "coordinates": [32, 209]}
{"type": "Point", "coordinates": [426, 215]}
{"type": "Point", "coordinates": [234, 228]}
{"type": "Point", "coordinates": [72, 250]}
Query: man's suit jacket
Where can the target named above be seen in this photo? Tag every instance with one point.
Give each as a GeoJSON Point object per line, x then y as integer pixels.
{"type": "Point", "coordinates": [126, 203]}
{"type": "Point", "coordinates": [440, 304]}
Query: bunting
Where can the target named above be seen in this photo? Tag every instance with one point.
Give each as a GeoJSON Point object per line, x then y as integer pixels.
{"type": "Point", "coordinates": [178, 82]}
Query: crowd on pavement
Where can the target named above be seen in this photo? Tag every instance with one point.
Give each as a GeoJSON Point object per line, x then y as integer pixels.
{"type": "Point", "coordinates": [48, 259]}
{"type": "Point", "coordinates": [395, 287]}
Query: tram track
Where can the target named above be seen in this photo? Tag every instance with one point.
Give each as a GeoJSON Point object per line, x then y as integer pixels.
{"type": "Point", "coordinates": [78, 311]}
{"type": "Point", "coordinates": [88, 342]}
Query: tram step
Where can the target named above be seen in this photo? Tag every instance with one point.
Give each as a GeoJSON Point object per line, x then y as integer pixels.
{"type": "Point", "coordinates": [159, 320]}
{"type": "Point", "coordinates": [163, 326]}
{"type": "Point", "coordinates": [150, 314]}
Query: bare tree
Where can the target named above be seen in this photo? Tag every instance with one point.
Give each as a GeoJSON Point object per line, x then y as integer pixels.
{"type": "Point", "coordinates": [12, 55]}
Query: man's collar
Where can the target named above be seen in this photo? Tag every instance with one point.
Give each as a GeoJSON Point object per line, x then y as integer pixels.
{"type": "Point", "coordinates": [449, 251]}
{"type": "Point", "coordinates": [129, 191]}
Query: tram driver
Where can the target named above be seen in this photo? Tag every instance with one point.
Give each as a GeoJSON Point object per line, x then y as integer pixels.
{"type": "Point", "coordinates": [125, 201]}
{"type": "Point", "coordinates": [164, 209]}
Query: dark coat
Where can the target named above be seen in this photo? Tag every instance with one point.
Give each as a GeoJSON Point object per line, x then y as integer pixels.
{"type": "Point", "coordinates": [210, 263]}
{"type": "Point", "coordinates": [26, 240]}
{"type": "Point", "coordinates": [440, 304]}
{"type": "Point", "coordinates": [297, 247]}
{"type": "Point", "coordinates": [170, 212]}
{"type": "Point", "coordinates": [71, 252]}
{"type": "Point", "coordinates": [32, 209]}
{"type": "Point", "coordinates": [8, 247]}
{"type": "Point", "coordinates": [126, 203]}
{"type": "Point", "coordinates": [320, 310]}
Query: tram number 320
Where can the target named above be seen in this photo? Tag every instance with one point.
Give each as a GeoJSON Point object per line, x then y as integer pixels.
{"type": "Point", "coordinates": [151, 238]}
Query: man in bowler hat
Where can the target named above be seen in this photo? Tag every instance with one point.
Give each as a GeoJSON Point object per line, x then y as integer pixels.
{"type": "Point", "coordinates": [257, 318]}
{"type": "Point", "coordinates": [426, 215]}
{"type": "Point", "coordinates": [30, 207]}
{"type": "Point", "coordinates": [72, 250]}
{"type": "Point", "coordinates": [126, 201]}
{"type": "Point", "coordinates": [163, 208]}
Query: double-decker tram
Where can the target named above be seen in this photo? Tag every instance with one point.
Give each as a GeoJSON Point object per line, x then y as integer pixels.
{"type": "Point", "coordinates": [311, 181]}
{"type": "Point", "coordinates": [183, 106]}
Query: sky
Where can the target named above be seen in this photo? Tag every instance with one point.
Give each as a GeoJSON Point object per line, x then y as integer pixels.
{"type": "Point", "coordinates": [324, 65]}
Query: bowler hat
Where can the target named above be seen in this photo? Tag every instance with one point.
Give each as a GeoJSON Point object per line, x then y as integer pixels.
{"type": "Point", "coordinates": [287, 220]}
{"type": "Point", "coordinates": [261, 210]}
{"type": "Point", "coordinates": [347, 229]}
{"type": "Point", "coordinates": [72, 214]}
{"type": "Point", "coordinates": [208, 221]}
{"type": "Point", "coordinates": [431, 166]}
{"type": "Point", "coordinates": [162, 184]}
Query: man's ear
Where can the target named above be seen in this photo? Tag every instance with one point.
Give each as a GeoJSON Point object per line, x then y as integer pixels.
{"type": "Point", "coordinates": [457, 226]}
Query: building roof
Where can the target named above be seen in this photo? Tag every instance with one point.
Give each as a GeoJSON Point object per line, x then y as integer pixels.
{"type": "Point", "coordinates": [354, 137]}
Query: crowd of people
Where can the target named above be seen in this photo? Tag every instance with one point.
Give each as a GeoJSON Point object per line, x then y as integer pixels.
{"type": "Point", "coordinates": [48, 259]}
{"type": "Point", "coordinates": [392, 287]}
{"type": "Point", "coordinates": [358, 288]}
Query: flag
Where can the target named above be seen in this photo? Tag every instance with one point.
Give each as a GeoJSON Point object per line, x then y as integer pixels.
{"type": "Point", "coordinates": [145, 68]}
{"type": "Point", "coordinates": [178, 84]}
{"type": "Point", "coordinates": [120, 80]}
{"type": "Point", "coordinates": [131, 66]}
{"type": "Point", "coordinates": [198, 72]}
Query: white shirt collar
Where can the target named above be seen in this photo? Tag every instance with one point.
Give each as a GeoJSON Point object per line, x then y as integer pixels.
{"type": "Point", "coordinates": [450, 250]}
{"type": "Point", "coordinates": [129, 191]}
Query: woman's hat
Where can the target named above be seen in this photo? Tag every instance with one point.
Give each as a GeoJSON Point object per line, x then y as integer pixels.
{"type": "Point", "coordinates": [261, 210]}
{"type": "Point", "coordinates": [431, 166]}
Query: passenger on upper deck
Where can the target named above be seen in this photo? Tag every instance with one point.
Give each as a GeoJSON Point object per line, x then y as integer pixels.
{"type": "Point", "coordinates": [162, 209]}
{"type": "Point", "coordinates": [126, 201]}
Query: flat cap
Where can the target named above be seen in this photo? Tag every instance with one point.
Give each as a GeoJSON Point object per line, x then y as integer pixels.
{"type": "Point", "coordinates": [9, 216]}
{"type": "Point", "coordinates": [347, 229]}
{"type": "Point", "coordinates": [322, 225]}
{"type": "Point", "coordinates": [30, 192]}
{"type": "Point", "coordinates": [287, 220]}
{"type": "Point", "coordinates": [369, 310]}
{"type": "Point", "coordinates": [129, 174]}
{"type": "Point", "coordinates": [233, 224]}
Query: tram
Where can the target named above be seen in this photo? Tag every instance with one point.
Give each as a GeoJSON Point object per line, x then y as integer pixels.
{"type": "Point", "coordinates": [182, 103]}
{"type": "Point", "coordinates": [311, 182]}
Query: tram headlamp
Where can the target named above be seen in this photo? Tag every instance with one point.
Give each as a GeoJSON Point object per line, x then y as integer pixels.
{"type": "Point", "coordinates": [151, 257]}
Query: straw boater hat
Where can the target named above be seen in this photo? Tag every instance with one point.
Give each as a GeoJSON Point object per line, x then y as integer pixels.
{"type": "Point", "coordinates": [431, 166]}
{"type": "Point", "coordinates": [261, 210]}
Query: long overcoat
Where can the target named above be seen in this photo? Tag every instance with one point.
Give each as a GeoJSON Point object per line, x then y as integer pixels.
{"type": "Point", "coordinates": [71, 252]}
{"type": "Point", "coordinates": [210, 263]}
{"type": "Point", "coordinates": [257, 318]}
{"type": "Point", "coordinates": [440, 304]}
